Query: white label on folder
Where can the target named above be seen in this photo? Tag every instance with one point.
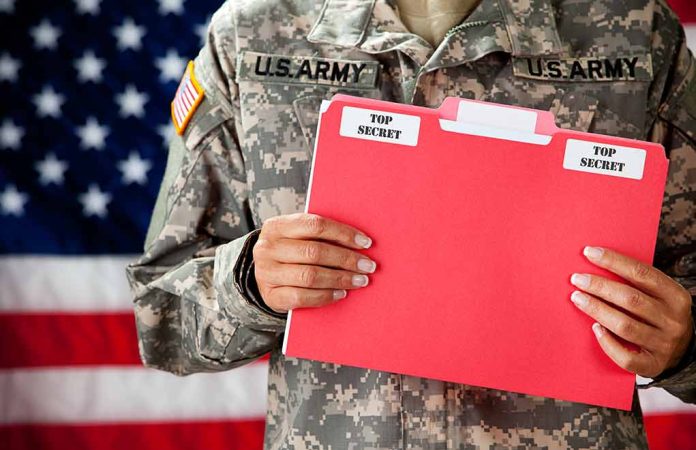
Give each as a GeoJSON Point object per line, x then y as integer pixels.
{"type": "Point", "coordinates": [380, 126]}
{"type": "Point", "coordinates": [604, 159]}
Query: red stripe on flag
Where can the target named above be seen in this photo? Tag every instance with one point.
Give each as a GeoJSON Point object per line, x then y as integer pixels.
{"type": "Point", "coordinates": [52, 340]}
{"type": "Point", "coordinates": [189, 96]}
{"type": "Point", "coordinates": [671, 431]}
{"type": "Point", "coordinates": [36, 340]}
{"type": "Point", "coordinates": [228, 435]}
{"type": "Point", "coordinates": [685, 9]}
{"type": "Point", "coordinates": [665, 432]}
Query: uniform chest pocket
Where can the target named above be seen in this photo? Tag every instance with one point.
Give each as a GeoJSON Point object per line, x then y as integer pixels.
{"type": "Point", "coordinates": [583, 111]}
{"type": "Point", "coordinates": [605, 94]}
{"type": "Point", "coordinates": [280, 96]}
{"type": "Point", "coordinates": [307, 108]}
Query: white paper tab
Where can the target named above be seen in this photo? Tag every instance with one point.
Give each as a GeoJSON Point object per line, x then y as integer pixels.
{"type": "Point", "coordinates": [604, 159]}
{"type": "Point", "coordinates": [380, 126]}
{"type": "Point", "coordinates": [497, 116]}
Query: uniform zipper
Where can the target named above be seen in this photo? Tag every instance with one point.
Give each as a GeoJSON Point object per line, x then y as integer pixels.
{"type": "Point", "coordinates": [450, 32]}
{"type": "Point", "coordinates": [463, 26]}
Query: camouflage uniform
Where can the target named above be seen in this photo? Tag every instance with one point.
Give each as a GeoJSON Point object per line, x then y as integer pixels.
{"type": "Point", "coordinates": [603, 66]}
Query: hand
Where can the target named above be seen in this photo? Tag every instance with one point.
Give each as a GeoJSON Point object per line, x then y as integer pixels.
{"type": "Point", "coordinates": [653, 312]}
{"type": "Point", "coordinates": [296, 268]}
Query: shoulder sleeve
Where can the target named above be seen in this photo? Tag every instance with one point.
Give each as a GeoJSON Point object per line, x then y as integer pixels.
{"type": "Point", "coordinates": [675, 128]}
{"type": "Point", "coordinates": [192, 310]}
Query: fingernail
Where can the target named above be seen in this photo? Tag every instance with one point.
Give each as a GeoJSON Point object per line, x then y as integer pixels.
{"type": "Point", "coordinates": [363, 241]}
{"type": "Point", "coordinates": [359, 280]}
{"type": "Point", "coordinates": [367, 265]}
{"type": "Point", "coordinates": [580, 280]}
{"type": "Point", "coordinates": [579, 299]}
{"type": "Point", "coordinates": [339, 294]}
{"type": "Point", "coordinates": [593, 253]}
{"type": "Point", "coordinates": [598, 330]}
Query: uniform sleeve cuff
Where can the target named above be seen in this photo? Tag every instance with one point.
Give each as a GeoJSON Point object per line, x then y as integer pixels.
{"type": "Point", "coordinates": [247, 279]}
{"type": "Point", "coordinates": [685, 371]}
{"type": "Point", "coordinates": [233, 274]}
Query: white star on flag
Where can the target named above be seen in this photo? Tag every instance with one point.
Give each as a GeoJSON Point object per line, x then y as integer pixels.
{"type": "Point", "coordinates": [48, 102]}
{"type": "Point", "coordinates": [12, 201]}
{"type": "Point", "coordinates": [7, 6]}
{"type": "Point", "coordinates": [129, 35]}
{"type": "Point", "coordinates": [94, 201]}
{"type": "Point", "coordinates": [166, 132]}
{"type": "Point", "coordinates": [202, 30]}
{"type": "Point", "coordinates": [45, 35]}
{"type": "Point", "coordinates": [88, 6]}
{"type": "Point", "coordinates": [132, 102]}
{"type": "Point", "coordinates": [171, 66]}
{"type": "Point", "coordinates": [10, 135]}
{"type": "Point", "coordinates": [9, 68]}
{"type": "Point", "coordinates": [51, 170]}
{"type": "Point", "coordinates": [89, 67]}
{"type": "Point", "coordinates": [171, 6]}
{"type": "Point", "coordinates": [134, 169]}
{"type": "Point", "coordinates": [92, 134]}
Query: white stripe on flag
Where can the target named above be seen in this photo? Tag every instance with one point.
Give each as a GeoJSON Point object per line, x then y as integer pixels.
{"type": "Point", "coordinates": [66, 283]}
{"type": "Point", "coordinates": [190, 94]}
{"type": "Point", "coordinates": [659, 401]}
{"type": "Point", "coordinates": [691, 37]}
{"type": "Point", "coordinates": [179, 112]}
{"type": "Point", "coordinates": [98, 284]}
{"type": "Point", "coordinates": [109, 394]}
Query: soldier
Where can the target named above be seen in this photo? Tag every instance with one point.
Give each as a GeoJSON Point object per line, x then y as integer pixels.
{"type": "Point", "coordinates": [229, 251]}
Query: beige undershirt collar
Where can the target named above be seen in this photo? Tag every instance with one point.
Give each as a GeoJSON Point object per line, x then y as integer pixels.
{"type": "Point", "coordinates": [432, 19]}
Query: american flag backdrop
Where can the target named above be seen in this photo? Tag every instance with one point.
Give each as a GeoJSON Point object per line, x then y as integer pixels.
{"type": "Point", "coordinates": [85, 87]}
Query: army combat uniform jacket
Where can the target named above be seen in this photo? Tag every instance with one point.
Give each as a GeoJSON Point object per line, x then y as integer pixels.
{"type": "Point", "coordinates": [613, 67]}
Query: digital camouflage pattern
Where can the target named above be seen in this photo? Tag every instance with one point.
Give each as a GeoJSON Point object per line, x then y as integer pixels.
{"type": "Point", "coordinates": [245, 157]}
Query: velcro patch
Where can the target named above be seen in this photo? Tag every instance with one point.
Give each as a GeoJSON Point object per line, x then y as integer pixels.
{"type": "Point", "coordinates": [285, 69]}
{"type": "Point", "coordinates": [188, 96]}
{"type": "Point", "coordinates": [619, 68]}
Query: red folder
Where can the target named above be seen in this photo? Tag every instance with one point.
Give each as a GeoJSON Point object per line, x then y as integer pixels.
{"type": "Point", "coordinates": [479, 214]}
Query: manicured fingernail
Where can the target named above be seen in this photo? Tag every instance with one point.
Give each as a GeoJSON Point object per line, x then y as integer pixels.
{"type": "Point", "coordinates": [593, 253]}
{"type": "Point", "coordinates": [579, 299]}
{"type": "Point", "coordinates": [598, 330]}
{"type": "Point", "coordinates": [367, 265]}
{"type": "Point", "coordinates": [359, 280]}
{"type": "Point", "coordinates": [339, 294]}
{"type": "Point", "coordinates": [363, 241]}
{"type": "Point", "coordinates": [580, 280]}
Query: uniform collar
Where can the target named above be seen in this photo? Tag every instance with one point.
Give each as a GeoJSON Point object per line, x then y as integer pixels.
{"type": "Point", "coordinates": [374, 26]}
{"type": "Point", "coordinates": [531, 26]}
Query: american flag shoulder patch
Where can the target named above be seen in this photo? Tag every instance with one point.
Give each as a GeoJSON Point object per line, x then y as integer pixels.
{"type": "Point", "coordinates": [188, 96]}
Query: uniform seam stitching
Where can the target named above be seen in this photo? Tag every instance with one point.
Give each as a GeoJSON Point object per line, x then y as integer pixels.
{"type": "Point", "coordinates": [402, 412]}
{"type": "Point", "coordinates": [203, 143]}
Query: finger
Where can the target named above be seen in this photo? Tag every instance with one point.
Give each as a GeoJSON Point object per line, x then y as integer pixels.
{"type": "Point", "coordinates": [622, 295]}
{"type": "Point", "coordinates": [616, 321]}
{"type": "Point", "coordinates": [314, 226]}
{"type": "Point", "coordinates": [645, 277]}
{"type": "Point", "coordinates": [321, 254]}
{"type": "Point", "coordinates": [636, 362]}
{"type": "Point", "coordinates": [309, 276]}
{"type": "Point", "coordinates": [287, 297]}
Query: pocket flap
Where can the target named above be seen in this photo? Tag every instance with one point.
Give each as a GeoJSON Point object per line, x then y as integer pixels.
{"type": "Point", "coordinates": [307, 112]}
{"type": "Point", "coordinates": [574, 111]}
